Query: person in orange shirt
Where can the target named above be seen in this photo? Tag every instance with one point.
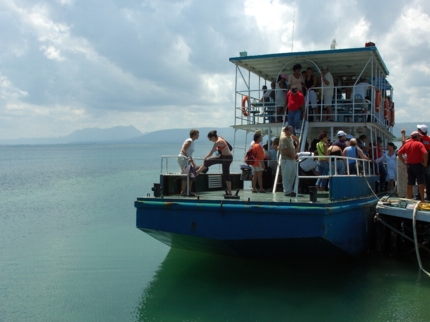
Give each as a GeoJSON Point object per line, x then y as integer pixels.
{"type": "Point", "coordinates": [258, 166]}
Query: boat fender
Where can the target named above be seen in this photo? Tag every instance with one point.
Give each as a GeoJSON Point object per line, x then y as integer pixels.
{"type": "Point", "coordinates": [392, 114]}
{"type": "Point", "coordinates": [244, 109]}
{"type": "Point", "coordinates": [377, 101]}
{"type": "Point", "coordinates": [386, 109]}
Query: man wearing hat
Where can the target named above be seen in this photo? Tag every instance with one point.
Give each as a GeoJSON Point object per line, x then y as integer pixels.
{"type": "Point", "coordinates": [295, 103]}
{"type": "Point", "coordinates": [416, 161]}
{"type": "Point", "coordinates": [425, 139]}
{"type": "Point", "coordinates": [327, 85]}
{"type": "Point", "coordinates": [341, 140]}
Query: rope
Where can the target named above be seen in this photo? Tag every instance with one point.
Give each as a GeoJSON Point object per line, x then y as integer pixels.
{"type": "Point", "coordinates": [416, 239]}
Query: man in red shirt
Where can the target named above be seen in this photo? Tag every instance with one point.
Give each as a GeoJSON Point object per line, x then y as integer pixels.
{"type": "Point", "coordinates": [295, 102]}
{"type": "Point", "coordinates": [425, 139]}
{"type": "Point", "coordinates": [416, 161]}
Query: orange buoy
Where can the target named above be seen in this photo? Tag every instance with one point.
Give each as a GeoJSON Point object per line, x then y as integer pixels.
{"type": "Point", "coordinates": [386, 109]}
{"type": "Point", "coordinates": [392, 114]}
{"type": "Point", "coordinates": [244, 109]}
{"type": "Point", "coordinates": [377, 101]}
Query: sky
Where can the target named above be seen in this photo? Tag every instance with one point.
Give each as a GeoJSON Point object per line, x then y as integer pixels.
{"type": "Point", "coordinates": [154, 64]}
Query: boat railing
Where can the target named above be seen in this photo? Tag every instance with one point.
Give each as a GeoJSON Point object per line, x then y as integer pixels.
{"type": "Point", "coordinates": [346, 106]}
{"type": "Point", "coordinates": [363, 168]}
{"type": "Point", "coordinates": [169, 165]}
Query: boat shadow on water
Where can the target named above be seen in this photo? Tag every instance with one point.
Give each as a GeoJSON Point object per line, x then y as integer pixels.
{"type": "Point", "coordinates": [190, 286]}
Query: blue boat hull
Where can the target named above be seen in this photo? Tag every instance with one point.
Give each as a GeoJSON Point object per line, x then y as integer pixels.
{"type": "Point", "coordinates": [265, 229]}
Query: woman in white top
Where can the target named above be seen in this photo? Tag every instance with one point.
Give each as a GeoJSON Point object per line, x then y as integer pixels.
{"type": "Point", "coordinates": [390, 157]}
{"type": "Point", "coordinates": [185, 156]}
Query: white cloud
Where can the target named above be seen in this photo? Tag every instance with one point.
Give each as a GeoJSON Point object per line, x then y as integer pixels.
{"type": "Point", "coordinates": [71, 64]}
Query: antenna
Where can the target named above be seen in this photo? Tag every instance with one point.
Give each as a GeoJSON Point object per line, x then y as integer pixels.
{"type": "Point", "coordinates": [292, 40]}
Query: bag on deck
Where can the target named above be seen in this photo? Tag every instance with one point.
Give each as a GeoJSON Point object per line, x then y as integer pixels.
{"type": "Point", "coordinates": [249, 157]}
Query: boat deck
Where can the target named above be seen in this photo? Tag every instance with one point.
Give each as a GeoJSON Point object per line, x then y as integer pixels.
{"type": "Point", "coordinates": [248, 195]}
{"type": "Point", "coordinates": [403, 208]}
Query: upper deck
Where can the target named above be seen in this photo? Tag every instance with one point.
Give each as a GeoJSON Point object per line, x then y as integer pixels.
{"type": "Point", "coordinates": [350, 112]}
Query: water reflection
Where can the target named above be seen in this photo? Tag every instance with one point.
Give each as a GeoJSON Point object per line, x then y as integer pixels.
{"type": "Point", "coordinates": [197, 287]}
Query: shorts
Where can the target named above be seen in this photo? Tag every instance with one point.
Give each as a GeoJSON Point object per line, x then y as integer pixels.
{"type": "Point", "coordinates": [256, 169]}
{"type": "Point", "coordinates": [415, 172]}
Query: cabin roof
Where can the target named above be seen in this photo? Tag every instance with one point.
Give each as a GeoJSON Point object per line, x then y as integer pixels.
{"type": "Point", "coordinates": [341, 62]}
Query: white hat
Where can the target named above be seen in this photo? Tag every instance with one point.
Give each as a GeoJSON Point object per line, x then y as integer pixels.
{"type": "Point", "coordinates": [422, 128]}
{"type": "Point", "coordinates": [341, 133]}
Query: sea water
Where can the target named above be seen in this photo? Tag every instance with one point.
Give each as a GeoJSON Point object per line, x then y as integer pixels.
{"type": "Point", "coordinates": [70, 251]}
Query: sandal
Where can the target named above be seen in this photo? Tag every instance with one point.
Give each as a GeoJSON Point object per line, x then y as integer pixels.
{"type": "Point", "coordinates": [184, 194]}
{"type": "Point", "coordinates": [192, 194]}
{"type": "Point", "coordinates": [254, 191]}
{"type": "Point", "coordinates": [262, 191]}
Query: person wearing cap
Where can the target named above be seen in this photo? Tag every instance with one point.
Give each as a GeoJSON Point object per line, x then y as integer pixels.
{"type": "Point", "coordinates": [288, 155]}
{"type": "Point", "coordinates": [416, 161]}
{"type": "Point", "coordinates": [390, 157]}
{"type": "Point", "coordinates": [280, 96]}
{"type": "Point", "coordinates": [341, 140]}
{"type": "Point", "coordinates": [376, 154]}
{"type": "Point", "coordinates": [425, 139]}
{"type": "Point", "coordinates": [295, 105]}
{"type": "Point", "coordinates": [327, 91]}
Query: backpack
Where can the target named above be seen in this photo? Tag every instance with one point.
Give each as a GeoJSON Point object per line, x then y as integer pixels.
{"type": "Point", "coordinates": [249, 157]}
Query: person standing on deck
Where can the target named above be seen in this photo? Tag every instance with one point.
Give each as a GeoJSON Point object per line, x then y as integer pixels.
{"type": "Point", "coordinates": [425, 139]}
{"type": "Point", "coordinates": [295, 102]}
{"type": "Point", "coordinates": [288, 155]}
{"type": "Point", "coordinates": [280, 95]}
{"type": "Point", "coordinates": [416, 161]}
{"type": "Point", "coordinates": [258, 165]}
{"type": "Point", "coordinates": [225, 158]}
{"type": "Point", "coordinates": [376, 154]}
{"type": "Point", "coordinates": [327, 91]}
{"type": "Point", "coordinates": [323, 166]}
{"type": "Point", "coordinates": [186, 156]}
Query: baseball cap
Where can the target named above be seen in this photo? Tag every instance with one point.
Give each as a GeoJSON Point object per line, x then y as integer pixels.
{"type": "Point", "coordinates": [284, 76]}
{"type": "Point", "coordinates": [422, 128]}
{"type": "Point", "coordinates": [349, 137]}
{"type": "Point", "coordinates": [341, 133]}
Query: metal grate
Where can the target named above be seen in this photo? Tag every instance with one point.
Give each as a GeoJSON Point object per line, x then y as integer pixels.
{"type": "Point", "coordinates": [215, 181]}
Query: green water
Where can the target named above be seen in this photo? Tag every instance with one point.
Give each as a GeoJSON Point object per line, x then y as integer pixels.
{"type": "Point", "coordinates": [69, 251]}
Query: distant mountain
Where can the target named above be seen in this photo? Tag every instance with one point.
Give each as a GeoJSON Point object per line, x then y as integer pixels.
{"type": "Point", "coordinates": [409, 127]}
{"type": "Point", "coordinates": [129, 134]}
{"type": "Point", "coordinates": [179, 135]}
{"type": "Point", "coordinates": [90, 135]}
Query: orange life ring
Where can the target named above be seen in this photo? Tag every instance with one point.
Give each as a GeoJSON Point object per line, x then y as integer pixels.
{"type": "Point", "coordinates": [392, 114]}
{"type": "Point", "coordinates": [244, 109]}
{"type": "Point", "coordinates": [377, 101]}
{"type": "Point", "coordinates": [386, 109]}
